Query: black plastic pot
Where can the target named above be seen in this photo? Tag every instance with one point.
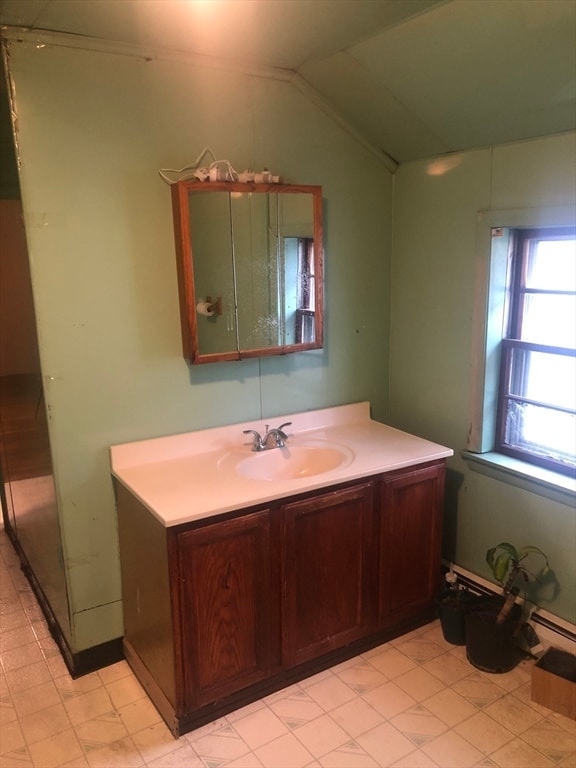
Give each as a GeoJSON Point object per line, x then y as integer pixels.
{"type": "Point", "coordinates": [492, 647]}
{"type": "Point", "coordinates": [451, 606]}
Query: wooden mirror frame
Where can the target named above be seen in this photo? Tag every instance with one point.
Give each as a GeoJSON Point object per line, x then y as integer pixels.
{"type": "Point", "coordinates": [188, 297]}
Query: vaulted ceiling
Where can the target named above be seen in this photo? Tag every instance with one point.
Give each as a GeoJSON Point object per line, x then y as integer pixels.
{"type": "Point", "coordinates": [415, 78]}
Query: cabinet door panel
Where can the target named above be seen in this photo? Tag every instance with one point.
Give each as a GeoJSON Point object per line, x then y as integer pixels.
{"type": "Point", "coordinates": [328, 577]}
{"type": "Point", "coordinates": [410, 540]}
{"type": "Point", "coordinates": [226, 605]}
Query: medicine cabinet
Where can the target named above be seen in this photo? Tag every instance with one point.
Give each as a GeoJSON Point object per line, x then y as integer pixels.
{"type": "Point", "coordinates": [250, 269]}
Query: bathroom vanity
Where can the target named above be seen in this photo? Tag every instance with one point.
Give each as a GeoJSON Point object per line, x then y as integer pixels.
{"type": "Point", "coordinates": [245, 571]}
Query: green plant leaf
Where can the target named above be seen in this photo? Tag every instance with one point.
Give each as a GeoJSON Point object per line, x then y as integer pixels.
{"type": "Point", "coordinates": [490, 557]}
{"type": "Point", "coordinates": [501, 566]}
{"type": "Point", "coordinates": [508, 548]}
{"type": "Point", "coordinates": [525, 551]}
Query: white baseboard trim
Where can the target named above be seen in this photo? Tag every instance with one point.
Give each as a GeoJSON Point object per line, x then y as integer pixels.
{"type": "Point", "coordinates": [551, 629]}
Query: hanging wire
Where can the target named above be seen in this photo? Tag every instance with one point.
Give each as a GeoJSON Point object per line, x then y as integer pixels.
{"type": "Point", "coordinates": [189, 170]}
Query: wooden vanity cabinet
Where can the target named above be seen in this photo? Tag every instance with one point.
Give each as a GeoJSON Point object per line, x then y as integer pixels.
{"type": "Point", "coordinates": [221, 611]}
{"type": "Point", "coordinates": [411, 504]}
{"type": "Point", "coordinates": [328, 558]}
{"type": "Point", "coordinates": [228, 606]}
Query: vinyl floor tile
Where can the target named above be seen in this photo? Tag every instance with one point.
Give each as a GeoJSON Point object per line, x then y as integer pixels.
{"type": "Point", "coordinates": [27, 677]}
{"type": "Point", "coordinates": [356, 717]}
{"type": "Point", "coordinates": [55, 750]}
{"type": "Point", "coordinates": [155, 741]}
{"type": "Point", "coordinates": [450, 707]}
{"type": "Point", "coordinates": [330, 692]}
{"type": "Point", "coordinates": [322, 735]}
{"type": "Point", "coordinates": [419, 725]}
{"type": "Point", "coordinates": [485, 733]}
{"type": "Point", "coordinates": [361, 678]}
{"type": "Point", "coordinates": [385, 744]}
{"type": "Point", "coordinates": [391, 663]}
{"type": "Point", "coordinates": [181, 757]}
{"type": "Point", "coordinates": [295, 711]}
{"type": "Point", "coordinates": [260, 727]}
{"type": "Point", "coordinates": [447, 668]}
{"type": "Point", "coordinates": [45, 723]}
{"type": "Point", "coordinates": [518, 754]}
{"type": "Point", "coordinates": [513, 714]}
{"type": "Point", "coordinates": [389, 700]}
{"type": "Point", "coordinates": [139, 714]}
{"type": "Point", "coordinates": [420, 650]}
{"type": "Point", "coordinates": [419, 684]}
{"type": "Point", "coordinates": [284, 752]}
{"type": "Point", "coordinates": [416, 759]}
{"type": "Point", "coordinates": [550, 739]}
{"type": "Point", "coordinates": [450, 750]}
{"type": "Point", "coordinates": [343, 759]}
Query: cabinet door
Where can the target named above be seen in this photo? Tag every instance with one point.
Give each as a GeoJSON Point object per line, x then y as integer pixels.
{"type": "Point", "coordinates": [228, 607]}
{"type": "Point", "coordinates": [410, 541]}
{"type": "Point", "coordinates": [329, 581]}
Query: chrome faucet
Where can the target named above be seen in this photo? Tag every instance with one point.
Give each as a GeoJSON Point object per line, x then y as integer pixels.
{"type": "Point", "coordinates": [262, 443]}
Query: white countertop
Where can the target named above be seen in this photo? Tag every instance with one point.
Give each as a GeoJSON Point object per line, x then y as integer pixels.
{"type": "Point", "coordinates": [190, 476]}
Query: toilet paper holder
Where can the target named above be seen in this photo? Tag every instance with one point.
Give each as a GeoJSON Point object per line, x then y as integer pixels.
{"type": "Point", "coordinates": [209, 308]}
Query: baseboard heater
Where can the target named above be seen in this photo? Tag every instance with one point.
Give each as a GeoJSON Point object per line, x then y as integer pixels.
{"type": "Point", "coordinates": [552, 630]}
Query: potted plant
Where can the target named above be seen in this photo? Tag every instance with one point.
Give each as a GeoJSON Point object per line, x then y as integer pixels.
{"type": "Point", "coordinates": [451, 605]}
{"type": "Point", "coordinates": [493, 623]}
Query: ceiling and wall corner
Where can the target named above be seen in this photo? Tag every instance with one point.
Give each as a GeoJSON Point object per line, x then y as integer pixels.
{"type": "Point", "coordinates": [412, 78]}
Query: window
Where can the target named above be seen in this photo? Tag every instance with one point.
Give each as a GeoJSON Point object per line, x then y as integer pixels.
{"type": "Point", "coordinates": [536, 418]}
{"type": "Point", "coordinates": [306, 291]}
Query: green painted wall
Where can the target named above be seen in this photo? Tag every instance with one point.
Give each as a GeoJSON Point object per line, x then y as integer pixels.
{"type": "Point", "coordinates": [431, 340]}
{"type": "Point", "coordinates": [93, 129]}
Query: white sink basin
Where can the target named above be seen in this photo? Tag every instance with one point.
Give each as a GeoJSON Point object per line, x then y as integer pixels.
{"type": "Point", "coordinates": [221, 474]}
{"type": "Point", "coordinates": [288, 463]}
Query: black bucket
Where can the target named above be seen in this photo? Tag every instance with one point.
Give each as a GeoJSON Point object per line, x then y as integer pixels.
{"type": "Point", "coordinates": [451, 607]}
{"type": "Point", "coordinates": [492, 647]}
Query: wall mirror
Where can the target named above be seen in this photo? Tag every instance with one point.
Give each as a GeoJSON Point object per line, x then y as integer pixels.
{"type": "Point", "coordinates": [250, 269]}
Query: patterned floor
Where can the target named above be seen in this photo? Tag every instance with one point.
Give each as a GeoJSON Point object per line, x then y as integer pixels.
{"type": "Point", "coordinates": [412, 703]}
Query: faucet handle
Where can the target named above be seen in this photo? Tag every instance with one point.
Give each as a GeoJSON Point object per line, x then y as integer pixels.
{"type": "Point", "coordinates": [280, 434]}
{"type": "Point", "coordinates": [257, 441]}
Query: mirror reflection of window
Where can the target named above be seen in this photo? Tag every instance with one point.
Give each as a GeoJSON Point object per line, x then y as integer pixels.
{"type": "Point", "coordinates": [306, 308]}
{"type": "Point", "coordinates": [299, 289]}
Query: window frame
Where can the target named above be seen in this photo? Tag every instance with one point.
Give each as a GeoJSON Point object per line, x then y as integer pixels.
{"type": "Point", "coordinates": [521, 240]}
{"type": "Point", "coordinates": [489, 321]}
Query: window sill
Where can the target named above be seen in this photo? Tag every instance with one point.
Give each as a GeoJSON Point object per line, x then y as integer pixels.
{"type": "Point", "coordinates": [544, 482]}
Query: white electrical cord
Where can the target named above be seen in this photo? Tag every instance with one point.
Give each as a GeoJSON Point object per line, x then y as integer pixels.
{"type": "Point", "coordinates": [187, 171]}
{"type": "Point", "coordinates": [217, 170]}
